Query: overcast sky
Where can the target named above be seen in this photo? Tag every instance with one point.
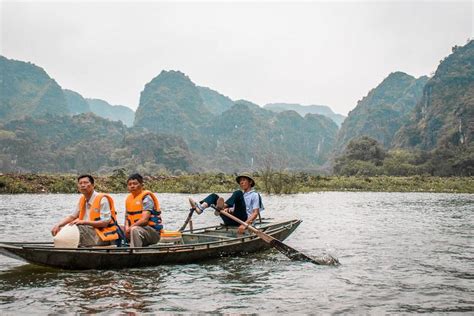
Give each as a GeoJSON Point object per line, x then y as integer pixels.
{"type": "Point", "coordinates": [329, 53]}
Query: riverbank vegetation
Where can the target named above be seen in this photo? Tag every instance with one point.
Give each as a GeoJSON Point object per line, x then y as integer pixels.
{"type": "Point", "coordinates": [273, 183]}
{"type": "Point", "coordinates": [365, 156]}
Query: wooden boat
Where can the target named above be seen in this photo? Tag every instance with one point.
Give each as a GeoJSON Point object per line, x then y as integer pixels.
{"type": "Point", "coordinates": [200, 244]}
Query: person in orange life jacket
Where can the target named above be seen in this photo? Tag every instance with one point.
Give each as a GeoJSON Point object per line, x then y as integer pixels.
{"type": "Point", "coordinates": [143, 216]}
{"type": "Point", "coordinates": [94, 216]}
{"type": "Point", "coordinates": [244, 204]}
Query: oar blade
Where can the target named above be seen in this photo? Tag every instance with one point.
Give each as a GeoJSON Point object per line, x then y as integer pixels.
{"type": "Point", "coordinates": [296, 255]}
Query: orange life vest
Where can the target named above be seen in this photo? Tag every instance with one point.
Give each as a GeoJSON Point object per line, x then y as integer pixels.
{"type": "Point", "coordinates": [134, 209]}
{"type": "Point", "coordinates": [109, 232]}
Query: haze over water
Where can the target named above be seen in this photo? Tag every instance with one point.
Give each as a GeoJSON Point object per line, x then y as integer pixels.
{"type": "Point", "coordinates": [400, 252]}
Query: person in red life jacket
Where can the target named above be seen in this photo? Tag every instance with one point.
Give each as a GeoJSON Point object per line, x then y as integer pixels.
{"type": "Point", "coordinates": [143, 216]}
{"type": "Point", "coordinates": [94, 216]}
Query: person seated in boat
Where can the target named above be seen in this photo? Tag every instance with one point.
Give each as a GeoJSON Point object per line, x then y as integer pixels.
{"type": "Point", "coordinates": [94, 216]}
{"type": "Point", "coordinates": [246, 204]}
{"type": "Point", "coordinates": [143, 221]}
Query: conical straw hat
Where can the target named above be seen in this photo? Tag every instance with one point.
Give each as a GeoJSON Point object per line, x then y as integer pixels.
{"type": "Point", "coordinates": [68, 237]}
{"type": "Point", "coordinates": [246, 175]}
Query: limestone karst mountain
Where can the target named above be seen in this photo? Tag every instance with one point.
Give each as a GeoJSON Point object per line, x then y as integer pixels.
{"type": "Point", "coordinates": [422, 125]}
{"type": "Point", "coordinates": [27, 90]}
{"type": "Point", "coordinates": [241, 137]}
{"type": "Point", "coordinates": [383, 111]}
{"type": "Point", "coordinates": [445, 114]}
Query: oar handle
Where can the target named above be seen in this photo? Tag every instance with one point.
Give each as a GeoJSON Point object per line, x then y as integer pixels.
{"type": "Point", "coordinates": [259, 233]}
{"type": "Point", "coordinates": [235, 219]}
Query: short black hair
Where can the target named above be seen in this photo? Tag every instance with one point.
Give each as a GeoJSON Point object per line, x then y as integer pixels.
{"type": "Point", "coordinates": [135, 176]}
{"type": "Point", "coordinates": [91, 179]}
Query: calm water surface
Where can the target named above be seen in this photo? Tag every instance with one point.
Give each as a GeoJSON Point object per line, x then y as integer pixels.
{"type": "Point", "coordinates": [400, 253]}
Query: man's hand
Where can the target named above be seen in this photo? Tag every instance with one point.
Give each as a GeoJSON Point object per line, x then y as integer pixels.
{"type": "Point", "coordinates": [241, 229]}
{"type": "Point", "coordinates": [55, 230]}
{"type": "Point", "coordinates": [77, 221]}
{"type": "Point", "coordinates": [228, 210]}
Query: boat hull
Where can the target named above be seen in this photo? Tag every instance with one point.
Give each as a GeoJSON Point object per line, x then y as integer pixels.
{"type": "Point", "coordinates": [210, 243]}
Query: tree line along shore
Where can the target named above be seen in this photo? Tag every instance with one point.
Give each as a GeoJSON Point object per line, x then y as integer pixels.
{"type": "Point", "coordinates": [274, 183]}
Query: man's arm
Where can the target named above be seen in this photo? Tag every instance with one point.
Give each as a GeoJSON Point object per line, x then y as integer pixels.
{"type": "Point", "coordinates": [143, 221]}
{"type": "Point", "coordinates": [68, 219]}
{"type": "Point", "coordinates": [249, 221]}
{"type": "Point", "coordinates": [255, 206]}
{"type": "Point", "coordinates": [95, 224]}
{"type": "Point", "coordinates": [253, 216]}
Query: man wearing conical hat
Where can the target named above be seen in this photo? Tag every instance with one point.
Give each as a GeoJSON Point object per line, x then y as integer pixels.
{"type": "Point", "coordinates": [245, 203]}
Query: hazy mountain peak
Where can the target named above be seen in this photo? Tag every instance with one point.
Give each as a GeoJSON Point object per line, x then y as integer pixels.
{"type": "Point", "coordinates": [445, 114]}
{"type": "Point", "coordinates": [27, 89]}
{"type": "Point", "coordinates": [170, 78]}
{"type": "Point", "coordinates": [171, 103]}
{"type": "Point", "coordinates": [383, 111]}
{"type": "Point", "coordinates": [112, 112]}
{"type": "Point", "coordinates": [305, 109]}
{"type": "Point", "coordinates": [249, 104]}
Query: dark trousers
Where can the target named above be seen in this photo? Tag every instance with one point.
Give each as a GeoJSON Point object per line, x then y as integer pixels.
{"type": "Point", "coordinates": [237, 200]}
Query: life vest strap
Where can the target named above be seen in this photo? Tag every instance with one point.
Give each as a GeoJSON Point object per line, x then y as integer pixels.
{"type": "Point", "coordinates": [110, 233]}
{"type": "Point", "coordinates": [133, 213]}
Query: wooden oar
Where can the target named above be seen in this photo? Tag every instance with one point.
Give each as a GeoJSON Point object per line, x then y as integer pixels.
{"type": "Point", "coordinates": [291, 253]}
{"type": "Point", "coordinates": [188, 219]}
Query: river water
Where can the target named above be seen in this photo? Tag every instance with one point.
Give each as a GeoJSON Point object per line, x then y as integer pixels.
{"type": "Point", "coordinates": [399, 253]}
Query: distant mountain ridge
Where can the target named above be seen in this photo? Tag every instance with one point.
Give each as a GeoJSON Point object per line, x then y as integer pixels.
{"type": "Point", "coordinates": [112, 112]}
{"type": "Point", "coordinates": [76, 104]}
{"type": "Point", "coordinates": [445, 114]}
{"type": "Point", "coordinates": [171, 103]}
{"type": "Point", "coordinates": [44, 128]}
{"type": "Point", "coordinates": [305, 109]}
{"type": "Point", "coordinates": [383, 111]}
{"type": "Point", "coordinates": [181, 126]}
{"type": "Point", "coordinates": [230, 136]}
{"type": "Point", "coordinates": [247, 136]}
{"type": "Point", "coordinates": [27, 90]}
{"type": "Point", "coordinates": [426, 126]}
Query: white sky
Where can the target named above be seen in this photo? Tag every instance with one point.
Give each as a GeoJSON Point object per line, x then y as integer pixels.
{"type": "Point", "coordinates": [329, 53]}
